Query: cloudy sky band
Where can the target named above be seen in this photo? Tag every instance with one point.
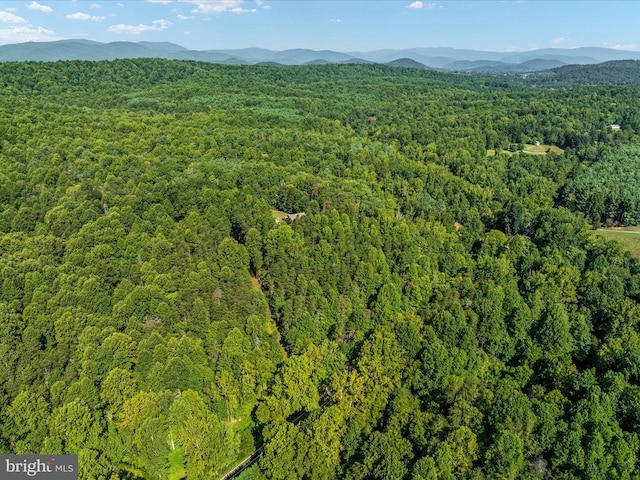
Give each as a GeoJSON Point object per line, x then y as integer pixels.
{"type": "Point", "coordinates": [345, 25]}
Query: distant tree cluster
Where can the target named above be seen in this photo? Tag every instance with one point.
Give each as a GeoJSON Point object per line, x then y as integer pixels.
{"type": "Point", "coordinates": [609, 190]}
{"type": "Point", "coordinates": [615, 72]}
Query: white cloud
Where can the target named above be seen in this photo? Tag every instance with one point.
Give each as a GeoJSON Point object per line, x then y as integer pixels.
{"type": "Point", "coordinates": [8, 17]}
{"type": "Point", "coordinates": [133, 29]}
{"type": "Point", "coordinates": [336, 20]}
{"type": "Point", "coordinates": [418, 5]}
{"type": "Point", "coordinates": [163, 2]}
{"type": "Point", "coordinates": [40, 8]}
{"type": "Point", "coordinates": [84, 16]}
{"type": "Point", "coordinates": [27, 34]}
{"type": "Point", "coordinates": [162, 24]}
{"type": "Point", "coordinates": [156, 26]}
{"type": "Point", "coordinates": [618, 46]}
{"type": "Point", "coordinates": [120, 4]}
{"type": "Point", "coordinates": [96, 6]}
{"type": "Point", "coordinates": [219, 6]}
{"type": "Point", "coordinates": [184, 17]}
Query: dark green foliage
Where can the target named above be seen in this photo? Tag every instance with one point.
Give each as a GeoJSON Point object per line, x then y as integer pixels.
{"type": "Point", "coordinates": [609, 190]}
{"type": "Point", "coordinates": [436, 313]}
{"type": "Point", "coordinates": [616, 72]}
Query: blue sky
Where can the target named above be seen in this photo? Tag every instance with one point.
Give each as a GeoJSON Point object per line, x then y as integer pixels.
{"type": "Point", "coordinates": [345, 25]}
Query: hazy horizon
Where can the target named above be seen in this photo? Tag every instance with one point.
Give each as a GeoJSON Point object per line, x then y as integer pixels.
{"type": "Point", "coordinates": [440, 47]}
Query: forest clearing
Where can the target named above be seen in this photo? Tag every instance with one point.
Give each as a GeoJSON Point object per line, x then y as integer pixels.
{"type": "Point", "coordinates": [627, 237]}
{"type": "Point", "coordinates": [540, 149]}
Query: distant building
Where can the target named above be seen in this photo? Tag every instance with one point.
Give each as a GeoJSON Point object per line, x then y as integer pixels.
{"type": "Point", "coordinates": [615, 126]}
{"type": "Point", "coordinates": [293, 216]}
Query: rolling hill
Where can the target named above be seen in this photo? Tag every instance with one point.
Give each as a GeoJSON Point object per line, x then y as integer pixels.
{"type": "Point", "coordinates": [447, 59]}
{"type": "Point", "coordinates": [617, 72]}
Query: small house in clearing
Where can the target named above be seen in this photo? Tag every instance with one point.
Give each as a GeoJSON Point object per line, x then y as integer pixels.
{"type": "Point", "coordinates": [293, 216]}
{"type": "Point", "coordinates": [615, 126]}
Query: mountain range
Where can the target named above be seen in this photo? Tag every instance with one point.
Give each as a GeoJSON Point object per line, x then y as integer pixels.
{"type": "Point", "coordinates": [448, 59]}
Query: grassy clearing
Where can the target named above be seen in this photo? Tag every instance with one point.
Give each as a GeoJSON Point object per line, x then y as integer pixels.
{"type": "Point", "coordinates": [627, 237]}
{"type": "Point", "coordinates": [278, 215]}
{"type": "Point", "coordinates": [542, 149]}
{"type": "Point", "coordinates": [529, 148]}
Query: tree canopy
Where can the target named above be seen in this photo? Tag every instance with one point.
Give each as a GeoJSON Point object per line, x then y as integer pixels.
{"type": "Point", "coordinates": [441, 310]}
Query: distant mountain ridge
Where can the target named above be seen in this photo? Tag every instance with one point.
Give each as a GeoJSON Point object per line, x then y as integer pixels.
{"type": "Point", "coordinates": [447, 59]}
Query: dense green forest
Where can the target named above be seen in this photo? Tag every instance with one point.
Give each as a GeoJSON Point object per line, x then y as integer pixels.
{"type": "Point", "coordinates": [608, 191]}
{"type": "Point", "coordinates": [616, 72]}
{"type": "Point", "coordinates": [437, 313]}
